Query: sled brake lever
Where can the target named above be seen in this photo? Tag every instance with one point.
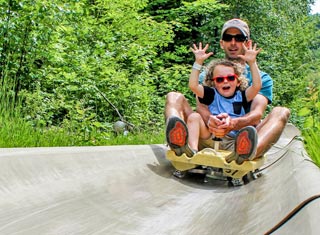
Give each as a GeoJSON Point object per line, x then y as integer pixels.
{"type": "Point", "coordinates": [216, 142]}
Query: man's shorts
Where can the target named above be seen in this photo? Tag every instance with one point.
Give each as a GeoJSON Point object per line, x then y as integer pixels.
{"type": "Point", "coordinates": [227, 143]}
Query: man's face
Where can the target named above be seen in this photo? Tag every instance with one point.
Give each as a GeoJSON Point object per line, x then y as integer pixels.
{"type": "Point", "coordinates": [232, 48]}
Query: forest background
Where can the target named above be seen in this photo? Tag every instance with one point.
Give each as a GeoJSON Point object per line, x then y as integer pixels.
{"type": "Point", "coordinates": [70, 69]}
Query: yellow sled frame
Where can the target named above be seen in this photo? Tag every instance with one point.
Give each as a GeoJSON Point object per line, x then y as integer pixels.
{"type": "Point", "coordinates": [214, 158]}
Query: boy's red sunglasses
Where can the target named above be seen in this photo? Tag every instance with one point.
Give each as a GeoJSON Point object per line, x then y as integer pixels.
{"type": "Point", "coordinates": [221, 79]}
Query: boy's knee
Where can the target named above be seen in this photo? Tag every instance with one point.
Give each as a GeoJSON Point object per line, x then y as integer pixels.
{"type": "Point", "coordinates": [194, 117]}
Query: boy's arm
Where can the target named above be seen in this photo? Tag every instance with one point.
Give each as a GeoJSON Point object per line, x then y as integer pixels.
{"type": "Point", "coordinates": [194, 85]}
{"type": "Point", "coordinates": [258, 106]}
{"type": "Point", "coordinates": [200, 56]}
{"type": "Point", "coordinates": [255, 87]}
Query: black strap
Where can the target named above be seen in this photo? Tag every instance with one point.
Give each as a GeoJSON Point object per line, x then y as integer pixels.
{"type": "Point", "coordinates": [245, 103]}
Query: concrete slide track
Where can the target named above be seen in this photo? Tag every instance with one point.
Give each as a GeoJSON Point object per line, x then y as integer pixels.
{"type": "Point", "coordinates": [131, 190]}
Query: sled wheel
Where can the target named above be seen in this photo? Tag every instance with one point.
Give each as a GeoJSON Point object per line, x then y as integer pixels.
{"type": "Point", "coordinates": [179, 174]}
{"type": "Point", "coordinates": [237, 182]}
{"type": "Point", "coordinates": [256, 173]}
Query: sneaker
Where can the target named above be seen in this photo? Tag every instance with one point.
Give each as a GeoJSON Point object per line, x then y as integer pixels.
{"type": "Point", "coordinates": [177, 136]}
{"type": "Point", "coordinates": [245, 145]}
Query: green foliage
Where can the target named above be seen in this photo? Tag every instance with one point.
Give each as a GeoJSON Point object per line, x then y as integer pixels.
{"type": "Point", "coordinates": [71, 50]}
{"type": "Point", "coordinates": [312, 143]}
{"type": "Point", "coordinates": [309, 111]}
{"type": "Point", "coordinates": [16, 132]}
{"type": "Point", "coordinates": [192, 22]}
{"type": "Point", "coordinates": [76, 67]}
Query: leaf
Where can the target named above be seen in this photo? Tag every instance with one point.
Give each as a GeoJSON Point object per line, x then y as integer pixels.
{"type": "Point", "coordinates": [304, 112]}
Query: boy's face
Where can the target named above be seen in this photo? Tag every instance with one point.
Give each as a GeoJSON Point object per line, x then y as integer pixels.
{"type": "Point", "coordinates": [226, 88]}
{"type": "Point", "coordinates": [233, 47]}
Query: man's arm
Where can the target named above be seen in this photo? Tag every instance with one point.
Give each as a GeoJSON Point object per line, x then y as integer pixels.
{"type": "Point", "coordinates": [203, 110]}
{"type": "Point", "coordinates": [253, 118]}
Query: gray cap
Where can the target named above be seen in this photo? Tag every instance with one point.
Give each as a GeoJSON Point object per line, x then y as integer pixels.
{"type": "Point", "coordinates": [239, 24]}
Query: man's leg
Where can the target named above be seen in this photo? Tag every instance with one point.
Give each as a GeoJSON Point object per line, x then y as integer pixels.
{"type": "Point", "coordinates": [177, 105]}
{"type": "Point", "coordinates": [270, 129]}
{"type": "Point", "coordinates": [177, 110]}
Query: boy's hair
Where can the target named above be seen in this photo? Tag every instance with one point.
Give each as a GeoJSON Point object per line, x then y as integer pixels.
{"type": "Point", "coordinates": [238, 70]}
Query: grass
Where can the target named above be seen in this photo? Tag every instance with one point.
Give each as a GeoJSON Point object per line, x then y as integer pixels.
{"type": "Point", "coordinates": [312, 143]}
{"type": "Point", "coordinates": [138, 138]}
{"type": "Point", "coordinates": [15, 132]}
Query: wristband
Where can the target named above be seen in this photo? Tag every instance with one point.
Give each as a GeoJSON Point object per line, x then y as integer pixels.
{"type": "Point", "coordinates": [196, 66]}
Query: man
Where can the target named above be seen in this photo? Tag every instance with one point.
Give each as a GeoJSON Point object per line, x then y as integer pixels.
{"type": "Point", "coordinates": [235, 33]}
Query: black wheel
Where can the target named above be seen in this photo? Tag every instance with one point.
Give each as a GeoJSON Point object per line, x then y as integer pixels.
{"type": "Point", "coordinates": [179, 174]}
{"type": "Point", "coordinates": [237, 182]}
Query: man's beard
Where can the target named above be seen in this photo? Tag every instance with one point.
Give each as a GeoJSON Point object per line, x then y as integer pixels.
{"type": "Point", "coordinates": [234, 59]}
{"type": "Point", "coordinates": [237, 60]}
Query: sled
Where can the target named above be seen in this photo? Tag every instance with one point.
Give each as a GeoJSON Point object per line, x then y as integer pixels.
{"type": "Point", "coordinates": [213, 164]}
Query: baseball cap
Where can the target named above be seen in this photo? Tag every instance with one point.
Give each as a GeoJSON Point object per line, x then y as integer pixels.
{"type": "Point", "coordinates": [239, 24]}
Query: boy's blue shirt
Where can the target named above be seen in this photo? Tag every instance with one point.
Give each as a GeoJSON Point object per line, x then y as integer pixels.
{"type": "Point", "coordinates": [267, 83]}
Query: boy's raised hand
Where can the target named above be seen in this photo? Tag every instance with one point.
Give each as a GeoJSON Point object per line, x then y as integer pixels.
{"type": "Point", "coordinates": [200, 54]}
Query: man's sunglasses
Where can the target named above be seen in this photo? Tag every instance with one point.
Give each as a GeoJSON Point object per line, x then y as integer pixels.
{"type": "Point", "coordinates": [238, 37]}
{"type": "Point", "coordinates": [221, 79]}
